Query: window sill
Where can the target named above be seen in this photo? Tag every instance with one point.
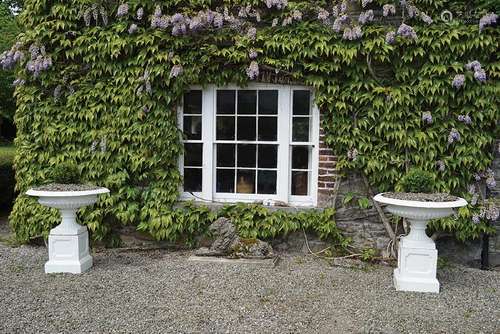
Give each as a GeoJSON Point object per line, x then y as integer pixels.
{"type": "Point", "coordinates": [219, 205]}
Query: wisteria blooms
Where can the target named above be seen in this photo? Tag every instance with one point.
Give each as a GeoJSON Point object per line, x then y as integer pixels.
{"type": "Point", "coordinates": [278, 4]}
{"type": "Point", "coordinates": [251, 33]}
{"type": "Point", "coordinates": [465, 119]}
{"type": "Point", "coordinates": [480, 75]}
{"type": "Point", "coordinates": [440, 165]}
{"type": "Point", "coordinates": [39, 61]}
{"type": "Point", "coordinates": [94, 12]}
{"type": "Point", "coordinates": [390, 37]}
{"type": "Point", "coordinates": [323, 15]}
{"type": "Point", "coordinates": [253, 70]}
{"type": "Point", "coordinates": [366, 17]}
{"type": "Point", "coordinates": [487, 20]}
{"type": "Point", "coordinates": [252, 54]}
{"type": "Point", "coordinates": [352, 34]}
{"type": "Point", "coordinates": [10, 58]}
{"type": "Point", "coordinates": [352, 154]}
{"type": "Point", "coordinates": [132, 29]}
{"type": "Point", "coordinates": [146, 84]}
{"type": "Point", "coordinates": [475, 219]}
{"type": "Point", "coordinates": [427, 117]}
{"type": "Point", "coordinates": [339, 21]}
{"type": "Point", "coordinates": [473, 66]}
{"type": "Point", "coordinates": [176, 71]}
{"type": "Point", "coordinates": [453, 136]}
{"type": "Point", "coordinates": [406, 31]}
{"type": "Point", "coordinates": [57, 92]}
{"type": "Point", "coordinates": [458, 81]}
{"type": "Point", "coordinates": [388, 10]}
{"type": "Point", "coordinates": [104, 15]}
{"type": "Point", "coordinates": [139, 14]}
{"type": "Point", "coordinates": [158, 20]}
{"type": "Point", "coordinates": [426, 18]}
{"type": "Point", "coordinates": [297, 15]}
{"type": "Point", "coordinates": [122, 10]}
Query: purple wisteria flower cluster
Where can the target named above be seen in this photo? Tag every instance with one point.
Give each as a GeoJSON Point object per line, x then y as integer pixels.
{"type": "Point", "coordinates": [353, 33]}
{"type": "Point", "coordinates": [139, 14]}
{"type": "Point", "coordinates": [490, 213]}
{"type": "Point", "coordinates": [440, 165]}
{"type": "Point", "coordinates": [406, 31]}
{"type": "Point", "coordinates": [278, 4]}
{"type": "Point", "coordinates": [487, 20]}
{"type": "Point", "coordinates": [427, 117]}
{"type": "Point", "coordinates": [365, 3]}
{"type": "Point", "coordinates": [465, 119]}
{"type": "Point", "coordinates": [9, 58]}
{"type": "Point", "coordinates": [39, 61]}
{"type": "Point", "coordinates": [352, 154]}
{"type": "Point", "coordinates": [145, 84]}
{"type": "Point", "coordinates": [453, 136]}
{"type": "Point", "coordinates": [176, 71]}
{"type": "Point", "coordinates": [18, 82]}
{"type": "Point", "coordinates": [388, 9]}
{"type": "Point", "coordinates": [479, 72]}
{"type": "Point", "coordinates": [253, 70]}
{"type": "Point", "coordinates": [122, 10]}
{"type": "Point", "coordinates": [159, 21]}
{"type": "Point", "coordinates": [133, 28]}
{"type": "Point", "coordinates": [94, 12]}
{"type": "Point", "coordinates": [488, 176]}
{"type": "Point", "coordinates": [458, 81]}
{"type": "Point", "coordinates": [252, 54]}
{"type": "Point", "coordinates": [323, 15]}
{"type": "Point", "coordinates": [366, 17]}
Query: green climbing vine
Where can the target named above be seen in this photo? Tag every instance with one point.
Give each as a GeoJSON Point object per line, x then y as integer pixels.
{"type": "Point", "coordinates": [99, 83]}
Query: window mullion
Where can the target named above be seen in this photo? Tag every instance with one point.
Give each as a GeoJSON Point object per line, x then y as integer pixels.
{"type": "Point", "coordinates": [283, 146]}
{"type": "Point", "coordinates": [208, 117]}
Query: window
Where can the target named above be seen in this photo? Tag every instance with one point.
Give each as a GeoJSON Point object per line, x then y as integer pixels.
{"type": "Point", "coordinates": [248, 144]}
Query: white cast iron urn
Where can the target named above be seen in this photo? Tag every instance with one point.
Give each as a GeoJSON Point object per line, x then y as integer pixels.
{"type": "Point", "coordinates": [417, 254]}
{"type": "Point", "coordinates": [69, 241]}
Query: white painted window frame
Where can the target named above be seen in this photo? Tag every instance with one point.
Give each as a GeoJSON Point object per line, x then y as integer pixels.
{"type": "Point", "coordinates": [283, 184]}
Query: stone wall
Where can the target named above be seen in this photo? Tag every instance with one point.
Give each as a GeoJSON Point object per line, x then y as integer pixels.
{"type": "Point", "coordinates": [495, 193]}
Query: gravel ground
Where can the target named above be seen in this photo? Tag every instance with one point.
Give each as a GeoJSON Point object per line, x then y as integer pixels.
{"type": "Point", "coordinates": [66, 187]}
{"type": "Point", "coordinates": [424, 197]}
{"type": "Point", "coordinates": [159, 291]}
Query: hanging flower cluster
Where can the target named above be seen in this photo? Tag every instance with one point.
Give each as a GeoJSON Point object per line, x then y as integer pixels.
{"type": "Point", "coordinates": [388, 9]}
{"type": "Point", "coordinates": [94, 12]}
{"type": "Point", "coordinates": [176, 71]}
{"type": "Point", "coordinates": [9, 58]}
{"type": "Point", "coordinates": [122, 10]}
{"type": "Point", "coordinates": [145, 84]}
{"type": "Point", "coordinates": [253, 70]}
{"type": "Point", "coordinates": [458, 81]}
{"type": "Point", "coordinates": [487, 20]}
{"type": "Point", "coordinates": [440, 165]}
{"type": "Point", "coordinates": [479, 73]}
{"type": "Point", "coordinates": [453, 136]}
{"type": "Point", "coordinates": [352, 154]}
{"type": "Point", "coordinates": [278, 4]}
{"type": "Point", "coordinates": [464, 119]}
{"type": "Point", "coordinates": [39, 61]}
{"type": "Point", "coordinates": [427, 117]}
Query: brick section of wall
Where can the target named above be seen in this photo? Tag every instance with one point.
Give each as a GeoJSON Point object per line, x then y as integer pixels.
{"type": "Point", "coordinates": [326, 172]}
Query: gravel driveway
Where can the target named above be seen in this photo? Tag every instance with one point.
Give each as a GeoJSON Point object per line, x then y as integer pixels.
{"type": "Point", "coordinates": [161, 292]}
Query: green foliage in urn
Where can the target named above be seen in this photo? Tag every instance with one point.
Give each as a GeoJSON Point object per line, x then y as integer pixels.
{"type": "Point", "coordinates": [106, 79]}
{"type": "Point", "coordinates": [416, 181]}
{"type": "Point", "coordinates": [66, 173]}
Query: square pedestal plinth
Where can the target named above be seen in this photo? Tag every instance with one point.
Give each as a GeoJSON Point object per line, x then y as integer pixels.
{"type": "Point", "coordinates": [69, 253]}
{"type": "Point", "coordinates": [416, 269]}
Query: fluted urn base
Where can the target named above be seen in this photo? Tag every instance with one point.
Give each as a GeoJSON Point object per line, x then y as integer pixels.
{"type": "Point", "coordinates": [69, 241]}
{"type": "Point", "coordinates": [417, 254]}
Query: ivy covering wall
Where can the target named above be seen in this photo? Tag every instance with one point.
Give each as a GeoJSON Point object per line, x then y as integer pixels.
{"type": "Point", "coordinates": [105, 79]}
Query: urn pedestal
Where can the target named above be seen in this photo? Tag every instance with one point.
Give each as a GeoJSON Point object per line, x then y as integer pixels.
{"type": "Point", "coordinates": [417, 254]}
{"type": "Point", "coordinates": [69, 241]}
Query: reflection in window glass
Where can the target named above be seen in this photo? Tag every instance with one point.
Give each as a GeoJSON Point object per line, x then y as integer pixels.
{"type": "Point", "coordinates": [192, 179]}
{"type": "Point", "coordinates": [246, 128]}
{"type": "Point", "coordinates": [300, 183]}
{"type": "Point", "coordinates": [268, 102]}
{"type": "Point", "coordinates": [268, 128]}
{"type": "Point", "coordinates": [301, 102]}
{"type": "Point", "coordinates": [225, 127]}
{"type": "Point", "coordinates": [268, 156]}
{"type": "Point", "coordinates": [226, 155]}
{"type": "Point", "coordinates": [247, 155]}
{"type": "Point", "coordinates": [225, 181]}
{"type": "Point", "coordinates": [192, 127]}
{"type": "Point", "coordinates": [247, 102]}
{"type": "Point", "coordinates": [266, 183]}
{"type": "Point", "coordinates": [192, 102]}
{"type": "Point", "coordinates": [245, 183]}
{"type": "Point", "coordinates": [300, 129]}
{"type": "Point", "coordinates": [226, 101]}
{"type": "Point", "coordinates": [193, 155]}
{"type": "Point", "coordinates": [300, 157]}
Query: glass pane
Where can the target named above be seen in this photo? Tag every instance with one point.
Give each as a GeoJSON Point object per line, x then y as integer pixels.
{"type": "Point", "coordinates": [226, 101]}
{"type": "Point", "coordinates": [300, 129]}
{"type": "Point", "coordinates": [246, 128]}
{"type": "Point", "coordinates": [299, 183]}
{"type": "Point", "coordinates": [225, 155]}
{"type": "Point", "coordinates": [245, 182]}
{"type": "Point", "coordinates": [225, 127]}
{"type": "Point", "coordinates": [192, 179]}
{"type": "Point", "coordinates": [300, 157]}
{"type": "Point", "coordinates": [193, 154]}
{"type": "Point", "coordinates": [225, 181]}
{"type": "Point", "coordinates": [246, 155]}
{"type": "Point", "coordinates": [247, 102]}
{"type": "Point", "coordinates": [268, 156]}
{"type": "Point", "coordinates": [192, 127]}
{"type": "Point", "coordinates": [268, 128]}
{"type": "Point", "coordinates": [268, 102]}
{"type": "Point", "coordinates": [301, 102]}
{"type": "Point", "coordinates": [192, 102]}
{"type": "Point", "coordinates": [266, 183]}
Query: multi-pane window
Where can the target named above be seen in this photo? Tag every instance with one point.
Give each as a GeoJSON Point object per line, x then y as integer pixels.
{"type": "Point", "coordinates": [255, 143]}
